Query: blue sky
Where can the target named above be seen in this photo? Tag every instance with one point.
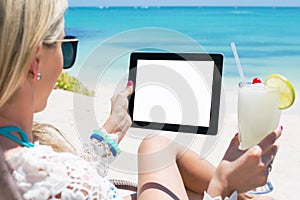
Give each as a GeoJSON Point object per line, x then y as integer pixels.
{"type": "Point", "coordinates": [184, 3]}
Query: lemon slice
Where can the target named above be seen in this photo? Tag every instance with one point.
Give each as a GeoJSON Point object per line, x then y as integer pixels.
{"type": "Point", "coordinates": [285, 87]}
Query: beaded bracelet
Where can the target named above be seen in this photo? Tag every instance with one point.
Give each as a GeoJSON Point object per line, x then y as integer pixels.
{"type": "Point", "coordinates": [103, 137]}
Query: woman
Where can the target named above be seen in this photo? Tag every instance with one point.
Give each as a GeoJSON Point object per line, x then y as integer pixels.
{"type": "Point", "coordinates": [33, 53]}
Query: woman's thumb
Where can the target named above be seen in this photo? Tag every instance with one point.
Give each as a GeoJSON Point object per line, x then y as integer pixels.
{"type": "Point", "coordinates": [235, 142]}
{"type": "Point", "coordinates": [129, 89]}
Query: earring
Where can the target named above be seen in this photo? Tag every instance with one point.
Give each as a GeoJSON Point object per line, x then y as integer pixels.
{"type": "Point", "coordinates": [39, 76]}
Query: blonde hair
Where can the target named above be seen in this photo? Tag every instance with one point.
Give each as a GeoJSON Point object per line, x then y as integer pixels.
{"type": "Point", "coordinates": [24, 25]}
{"type": "Point", "coordinates": [48, 134]}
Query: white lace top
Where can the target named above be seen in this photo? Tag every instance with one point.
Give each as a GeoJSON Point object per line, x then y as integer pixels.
{"type": "Point", "coordinates": [42, 173]}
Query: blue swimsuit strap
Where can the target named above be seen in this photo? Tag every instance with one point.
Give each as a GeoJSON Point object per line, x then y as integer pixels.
{"type": "Point", "coordinates": [7, 130]}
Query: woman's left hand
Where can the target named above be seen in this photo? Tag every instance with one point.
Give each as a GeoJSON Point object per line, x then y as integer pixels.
{"type": "Point", "coordinates": [119, 121]}
{"type": "Point", "coordinates": [243, 170]}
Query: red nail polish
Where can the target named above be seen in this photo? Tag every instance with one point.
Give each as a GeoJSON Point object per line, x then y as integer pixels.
{"type": "Point", "coordinates": [281, 127]}
{"type": "Point", "coordinates": [236, 134]}
{"type": "Point", "coordinates": [130, 83]}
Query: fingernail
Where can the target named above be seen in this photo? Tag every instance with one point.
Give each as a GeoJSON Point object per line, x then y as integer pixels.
{"type": "Point", "coordinates": [236, 134]}
{"type": "Point", "coordinates": [281, 127]}
{"type": "Point", "coordinates": [129, 83]}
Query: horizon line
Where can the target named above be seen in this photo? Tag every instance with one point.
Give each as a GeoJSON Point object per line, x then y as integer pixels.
{"type": "Point", "coordinates": [187, 6]}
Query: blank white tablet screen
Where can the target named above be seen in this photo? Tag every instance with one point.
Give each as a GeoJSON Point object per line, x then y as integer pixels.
{"type": "Point", "coordinates": [173, 92]}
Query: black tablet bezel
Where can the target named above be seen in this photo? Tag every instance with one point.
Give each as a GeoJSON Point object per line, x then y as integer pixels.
{"type": "Point", "coordinates": [216, 90]}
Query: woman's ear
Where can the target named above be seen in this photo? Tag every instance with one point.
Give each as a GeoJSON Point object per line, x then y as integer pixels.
{"type": "Point", "coordinates": [34, 64]}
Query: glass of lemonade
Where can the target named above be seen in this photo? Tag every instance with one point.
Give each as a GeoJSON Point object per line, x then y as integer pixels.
{"type": "Point", "coordinates": [258, 112]}
{"type": "Point", "coordinates": [258, 115]}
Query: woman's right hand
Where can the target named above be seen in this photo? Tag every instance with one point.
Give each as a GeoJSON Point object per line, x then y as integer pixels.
{"type": "Point", "coordinates": [243, 170]}
{"type": "Point", "coordinates": [119, 120]}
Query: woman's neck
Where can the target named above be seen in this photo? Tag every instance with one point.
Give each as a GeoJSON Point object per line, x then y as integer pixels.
{"type": "Point", "coordinates": [25, 125]}
{"type": "Point", "coordinates": [18, 111]}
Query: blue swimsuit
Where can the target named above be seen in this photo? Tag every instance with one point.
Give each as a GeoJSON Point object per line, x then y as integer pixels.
{"type": "Point", "coordinates": [7, 130]}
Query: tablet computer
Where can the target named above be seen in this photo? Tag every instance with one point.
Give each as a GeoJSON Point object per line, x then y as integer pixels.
{"type": "Point", "coordinates": [177, 92]}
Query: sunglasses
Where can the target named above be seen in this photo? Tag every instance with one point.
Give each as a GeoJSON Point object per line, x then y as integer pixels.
{"type": "Point", "coordinates": [69, 50]}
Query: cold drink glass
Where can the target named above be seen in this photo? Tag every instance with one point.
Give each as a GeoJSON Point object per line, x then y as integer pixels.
{"type": "Point", "coordinates": [258, 115]}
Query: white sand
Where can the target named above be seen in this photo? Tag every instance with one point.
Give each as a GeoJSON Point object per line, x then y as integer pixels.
{"type": "Point", "coordinates": [75, 116]}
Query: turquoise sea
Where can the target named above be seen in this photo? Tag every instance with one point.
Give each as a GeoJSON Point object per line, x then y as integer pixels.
{"type": "Point", "coordinates": [267, 38]}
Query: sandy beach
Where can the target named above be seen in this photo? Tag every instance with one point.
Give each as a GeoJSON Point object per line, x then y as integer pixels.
{"type": "Point", "coordinates": [78, 115]}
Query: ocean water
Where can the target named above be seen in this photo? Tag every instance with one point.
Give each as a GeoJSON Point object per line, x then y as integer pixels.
{"type": "Point", "coordinates": [267, 38]}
